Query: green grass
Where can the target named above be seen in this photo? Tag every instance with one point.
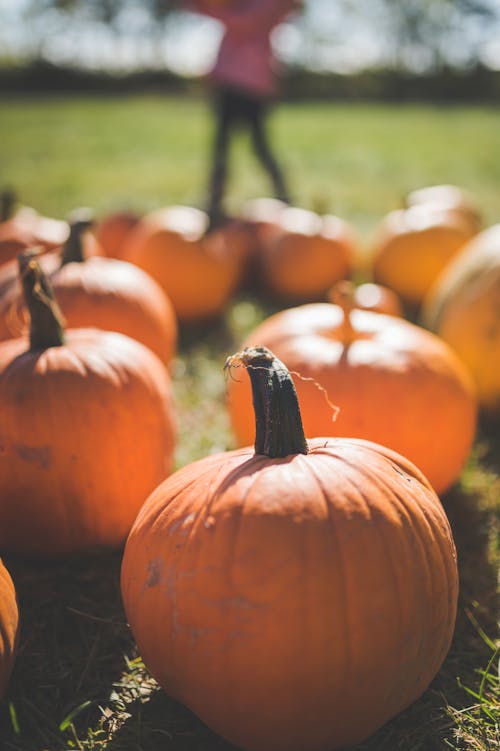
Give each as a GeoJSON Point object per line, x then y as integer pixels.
{"type": "Point", "coordinates": [78, 682]}
{"type": "Point", "coordinates": [356, 160]}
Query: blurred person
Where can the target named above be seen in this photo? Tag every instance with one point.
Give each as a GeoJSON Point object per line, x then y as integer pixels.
{"type": "Point", "coordinates": [244, 82]}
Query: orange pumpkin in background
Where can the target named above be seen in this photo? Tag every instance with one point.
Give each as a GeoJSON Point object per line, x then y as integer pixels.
{"type": "Point", "coordinates": [87, 431]}
{"type": "Point", "coordinates": [463, 307]}
{"type": "Point", "coordinates": [296, 596]}
{"type": "Point", "coordinates": [413, 246]}
{"type": "Point", "coordinates": [305, 254]}
{"type": "Point", "coordinates": [374, 297]}
{"type": "Point", "coordinates": [449, 197]}
{"type": "Point", "coordinates": [9, 627]}
{"type": "Point", "coordinates": [24, 228]}
{"type": "Point", "coordinates": [112, 230]}
{"type": "Point", "coordinates": [393, 382]}
{"type": "Point", "coordinates": [198, 271]}
{"type": "Point", "coordinates": [93, 291]}
{"type": "Point", "coordinates": [262, 216]}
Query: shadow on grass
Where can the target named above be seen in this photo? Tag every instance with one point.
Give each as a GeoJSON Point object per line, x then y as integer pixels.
{"type": "Point", "coordinates": [73, 638]}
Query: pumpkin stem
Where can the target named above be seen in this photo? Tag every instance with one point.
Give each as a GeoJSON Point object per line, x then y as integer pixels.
{"type": "Point", "coordinates": [343, 296]}
{"type": "Point", "coordinates": [7, 203]}
{"type": "Point", "coordinates": [278, 423]}
{"type": "Point", "coordinates": [46, 327]}
{"type": "Point", "coordinates": [73, 251]}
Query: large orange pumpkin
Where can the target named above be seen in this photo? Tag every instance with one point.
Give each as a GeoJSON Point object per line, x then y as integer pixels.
{"type": "Point", "coordinates": [297, 596]}
{"type": "Point", "coordinates": [86, 432]}
{"type": "Point", "coordinates": [9, 627]}
{"type": "Point", "coordinates": [305, 254]}
{"type": "Point", "coordinates": [103, 292]}
{"type": "Point", "coordinates": [413, 245]}
{"type": "Point", "coordinates": [394, 383]}
{"type": "Point", "coordinates": [198, 271]}
{"type": "Point", "coordinates": [463, 307]}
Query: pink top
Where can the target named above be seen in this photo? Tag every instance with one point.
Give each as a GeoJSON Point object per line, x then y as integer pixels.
{"type": "Point", "coordinates": [245, 59]}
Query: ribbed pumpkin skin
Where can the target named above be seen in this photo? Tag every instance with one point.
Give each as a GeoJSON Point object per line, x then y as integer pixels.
{"type": "Point", "coordinates": [294, 603]}
{"type": "Point", "coordinates": [414, 245]}
{"type": "Point", "coordinates": [306, 254]}
{"type": "Point", "coordinates": [86, 434]}
{"type": "Point", "coordinates": [107, 294]}
{"type": "Point", "coordinates": [395, 384]}
{"type": "Point", "coordinates": [464, 309]}
{"type": "Point", "coordinates": [9, 625]}
{"type": "Point", "coordinates": [198, 273]}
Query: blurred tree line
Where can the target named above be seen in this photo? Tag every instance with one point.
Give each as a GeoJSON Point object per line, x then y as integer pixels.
{"type": "Point", "coordinates": [389, 49]}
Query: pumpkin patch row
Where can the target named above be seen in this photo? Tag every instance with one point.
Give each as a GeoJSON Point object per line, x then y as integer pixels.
{"type": "Point", "coordinates": [206, 608]}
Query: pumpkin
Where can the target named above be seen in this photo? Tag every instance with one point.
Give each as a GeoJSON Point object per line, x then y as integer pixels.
{"type": "Point", "coordinates": [306, 255]}
{"type": "Point", "coordinates": [412, 247]}
{"type": "Point", "coordinates": [112, 229]}
{"type": "Point", "coordinates": [87, 431]}
{"type": "Point", "coordinates": [449, 197]}
{"type": "Point", "coordinates": [262, 216]}
{"type": "Point", "coordinates": [297, 595]}
{"type": "Point", "coordinates": [24, 228]}
{"type": "Point", "coordinates": [463, 307]}
{"type": "Point", "coordinates": [103, 292]}
{"type": "Point", "coordinates": [9, 627]}
{"type": "Point", "coordinates": [198, 271]}
{"type": "Point", "coordinates": [374, 297]}
{"type": "Point", "coordinates": [393, 383]}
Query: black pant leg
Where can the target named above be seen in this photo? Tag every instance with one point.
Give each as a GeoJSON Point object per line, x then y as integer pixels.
{"type": "Point", "coordinates": [263, 151]}
{"type": "Point", "coordinates": [219, 167]}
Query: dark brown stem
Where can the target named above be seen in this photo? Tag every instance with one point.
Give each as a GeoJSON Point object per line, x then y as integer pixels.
{"type": "Point", "coordinates": [278, 423]}
{"type": "Point", "coordinates": [46, 327]}
{"type": "Point", "coordinates": [73, 250]}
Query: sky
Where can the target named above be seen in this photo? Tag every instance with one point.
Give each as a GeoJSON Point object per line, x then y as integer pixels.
{"type": "Point", "coordinates": [345, 40]}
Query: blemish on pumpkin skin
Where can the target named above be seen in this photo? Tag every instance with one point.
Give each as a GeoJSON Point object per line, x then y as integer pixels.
{"type": "Point", "coordinates": [154, 573]}
{"type": "Point", "coordinates": [403, 474]}
{"type": "Point", "coordinates": [209, 522]}
{"type": "Point", "coordinates": [40, 456]}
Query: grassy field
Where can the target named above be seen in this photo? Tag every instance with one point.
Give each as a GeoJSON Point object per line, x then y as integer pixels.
{"type": "Point", "coordinates": [78, 682]}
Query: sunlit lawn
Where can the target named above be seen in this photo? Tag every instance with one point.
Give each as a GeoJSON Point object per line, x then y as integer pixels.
{"type": "Point", "coordinates": [77, 682]}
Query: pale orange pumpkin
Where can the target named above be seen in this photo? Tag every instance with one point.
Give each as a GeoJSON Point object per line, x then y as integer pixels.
{"type": "Point", "coordinates": [463, 307]}
{"type": "Point", "coordinates": [9, 627]}
{"type": "Point", "coordinates": [305, 253]}
{"type": "Point", "coordinates": [262, 217]}
{"type": "Point", "coordinates": [449, 197]}
{"type": "Point", "coordinates": [103, 292]}
{"type": "Point", "coordinates": [296, 596]}
{"type": "Point", "coordinates": [198, 271]}
{"type": "Point", "coordinates": [87, 431]}
{"type": "Point", "coordinates": [413, 245]}
{"type": "Point", "coordinates": [393, 382]}
{"type": "Point", "coordinates": [112, 229]}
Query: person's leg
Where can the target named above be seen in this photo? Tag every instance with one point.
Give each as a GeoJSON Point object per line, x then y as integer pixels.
{"type": "Point", "coordinates": [260, 141]}
{"type": "Point", "coordinates": [219, 166]}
